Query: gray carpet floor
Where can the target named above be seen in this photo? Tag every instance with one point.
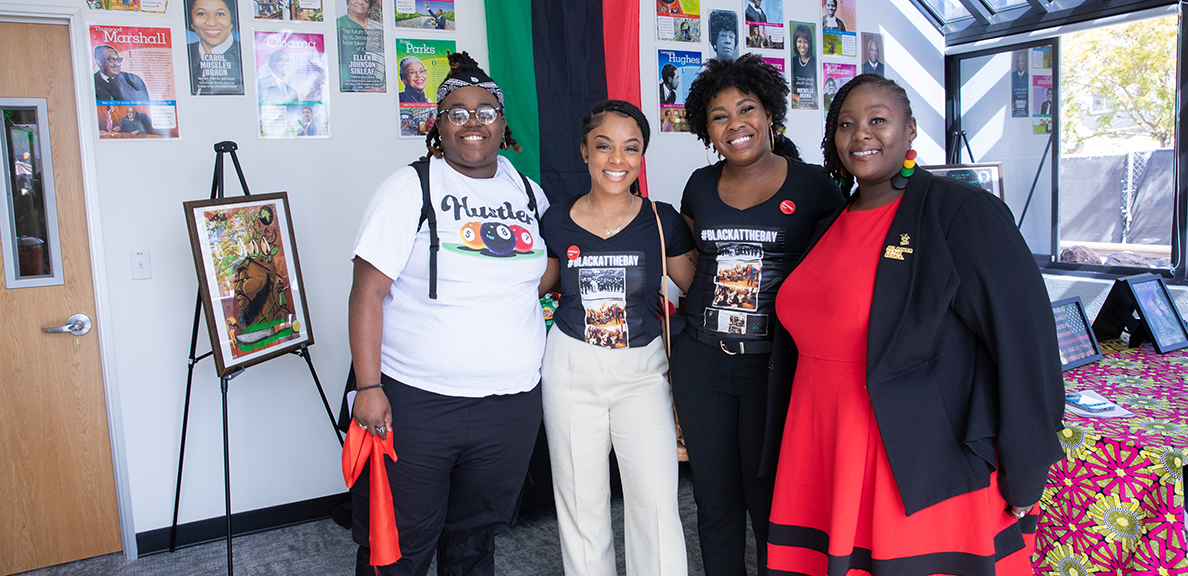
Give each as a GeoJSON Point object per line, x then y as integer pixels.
{"type": "Point", "coordinates": [530, 548]}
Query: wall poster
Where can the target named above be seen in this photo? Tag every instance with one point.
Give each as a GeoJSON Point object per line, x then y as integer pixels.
{"type": "Point", "coordinates": [723, 35]}
{"type": "Point", "coordinates": [249, 278]}
{"type": "Point", "coordinates": [1042, 90]}
{"type": "Point", "coordinates": [134, 92]}
{"type": "Point", "coordinates": [298, 10]}
{"type": "Point", "coordinates": [432, 15]}
{"type": "Point", "coordinates": [292, 85]}
{"type": "Point", "coordinates": [422, 66]}
{"type": "Point", "coordinates": [361, 66]}
{"type": "Point", "coordinates": [804, 65]}
{"type": "Point", "coordinates": [836, 75]}
{"type": "Point", "coordinates": [213, 47]}
{"type": "Point", "coordinates": [1020, 83]}
{"type": "Point", "coordinates": [678, 69]}
{"type": "Point", "coordinates": [873, 59]}
{"type": "Point", "coordinates": [152, 6]}
{"type": "Point", "coordinates": [765, 23]}
{"type": "Point", "coordinates": [679, 20]}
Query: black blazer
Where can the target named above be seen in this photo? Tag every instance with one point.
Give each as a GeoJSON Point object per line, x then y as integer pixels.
{"type": "Point", "coordinates": [962, 366]}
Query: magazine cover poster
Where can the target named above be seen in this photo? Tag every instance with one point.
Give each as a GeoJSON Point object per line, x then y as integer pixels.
{"type": "Point", "coordinates": [1041, 96]}
{"type": "Point", "coordinates": [361, 66]}
{"type": "Point", "coordinates": [679, 20]}
{"type": "Point", "coordinates": [604, 298]}
{"type": "Point", "coordinates": [251, 276]}
{"type": "Point", "coordinates": [678, 69]}
{"type": "Point", "coordinates": [292, 85]}
{"type": "Point", "coordinates": [804, 65]}
{"type": "Point", "coordinates": [839, 43]}
{"type": "Point", "coordinates": [213, 47]}
{"type": "Point", "coordinates": [422, 65]}
{"type": "Point", "coordinates": [722, 33]}
{"type": "Point", "coordinates": [839, 15]}
{"type": "Point", "coordinates": [873, 57]}
{"type": "Point", "coordinates": [836, 75]}
{"type": "Point", "coordinates": [428, 15]}
{"type": "Point", "coordinates": [298, 10]}
{"type": "Point", "coordinates": [1020, 83]}
{"type": "Point", "coordinates": [151, 6]}
{"type": "Point", "coordinates": [765, 23]}
{"type": "Point", "coordinates": [133, 73]}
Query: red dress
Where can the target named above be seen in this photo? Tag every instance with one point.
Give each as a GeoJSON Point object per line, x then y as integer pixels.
{"type": "Point", "coordinates": [836, 507]}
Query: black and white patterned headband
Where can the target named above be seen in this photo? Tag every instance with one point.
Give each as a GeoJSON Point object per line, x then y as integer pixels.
{"type": "Point", "coordinates": [463, 79]}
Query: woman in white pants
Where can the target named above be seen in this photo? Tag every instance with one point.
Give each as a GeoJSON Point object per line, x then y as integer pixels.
{"type": "Point", "coordinates": [603, 383]}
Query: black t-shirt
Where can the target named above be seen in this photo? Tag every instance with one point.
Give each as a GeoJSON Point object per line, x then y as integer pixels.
{"type": "Point", "coordinates": [744, 255]}
{"type": "Point", "coordinates": [611, 286]}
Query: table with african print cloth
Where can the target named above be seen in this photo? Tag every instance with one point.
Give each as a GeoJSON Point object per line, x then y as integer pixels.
{"type": "Point", "coordinates": [1115, 504]}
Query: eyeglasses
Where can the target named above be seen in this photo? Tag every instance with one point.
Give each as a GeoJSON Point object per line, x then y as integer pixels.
{"type": "Point", "coordinates": [114, 59]}
{"type": "Point", "coordinates": [458, 115]}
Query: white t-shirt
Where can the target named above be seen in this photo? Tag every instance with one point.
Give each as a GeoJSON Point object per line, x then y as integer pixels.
{"type": "Point", "coordinates": [484, 334]}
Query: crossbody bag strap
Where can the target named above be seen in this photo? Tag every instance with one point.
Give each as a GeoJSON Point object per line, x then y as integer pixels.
{"type": "Point", "coordinates": [663, 282]}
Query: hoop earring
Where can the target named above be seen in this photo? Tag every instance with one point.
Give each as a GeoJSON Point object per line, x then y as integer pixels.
{"type": "Point", "coordinates": [771, 132]}
{"type": "Point", "coordinates": [707, 156]}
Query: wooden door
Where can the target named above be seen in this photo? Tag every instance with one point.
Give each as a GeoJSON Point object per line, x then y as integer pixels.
{"type": "Point", "coordinates": [57, 487]}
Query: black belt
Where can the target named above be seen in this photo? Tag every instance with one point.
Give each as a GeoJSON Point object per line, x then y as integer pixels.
{"type": "Point", "coordinates": [732, 347]}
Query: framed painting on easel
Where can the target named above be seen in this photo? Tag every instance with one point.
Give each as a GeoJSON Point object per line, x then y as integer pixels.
{"type": "Point", "coordinates": [249, 278]}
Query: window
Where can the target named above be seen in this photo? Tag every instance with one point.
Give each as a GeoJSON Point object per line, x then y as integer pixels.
{"type": "Point", "coordinates": [1084, 124]}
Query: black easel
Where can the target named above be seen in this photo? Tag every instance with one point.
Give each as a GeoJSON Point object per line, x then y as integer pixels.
{"type": "Point", "coordinates": [955, 146]}
{"type": "Point", "coordinates": [216, 191]}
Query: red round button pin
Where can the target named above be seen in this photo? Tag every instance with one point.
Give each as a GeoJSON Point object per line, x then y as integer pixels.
{"type": "Point", "coordinates": [573, 253]}
{"type": "Point", "coordinates": [787, 207]}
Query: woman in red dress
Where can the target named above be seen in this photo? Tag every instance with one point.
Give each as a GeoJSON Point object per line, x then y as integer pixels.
{"type": "Point", "coordinates": [927, 392]}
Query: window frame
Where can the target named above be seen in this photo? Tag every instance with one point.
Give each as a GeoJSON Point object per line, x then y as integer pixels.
{"type": "Point", "coordinates": [1049, 263]}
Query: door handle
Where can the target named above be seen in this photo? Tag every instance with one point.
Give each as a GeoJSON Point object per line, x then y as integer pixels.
{"type": "Point", "coordinates": [77, 324]}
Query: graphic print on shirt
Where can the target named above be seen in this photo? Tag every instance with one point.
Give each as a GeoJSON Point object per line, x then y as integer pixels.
{"type": "Point", "coordinates": [489, 231]}
{"type": "Point", "coordinates": [604, 297]}
{"type": "Point", "coordinates": [733, 305]}
{"type": "Point", "coordinates": [606, 282]}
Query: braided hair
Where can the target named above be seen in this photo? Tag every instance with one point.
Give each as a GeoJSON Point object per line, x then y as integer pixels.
{"type": "Point", "coordinates": [596, 117]}
{"type": "Point", "coordinates": [833, 165]}
{"type": "Point", "coordinates": [461, 62]}
{"type": "Point", "coordinates": [750, 75]}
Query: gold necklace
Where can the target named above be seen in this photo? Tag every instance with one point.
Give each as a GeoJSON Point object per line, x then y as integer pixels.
{"type": "Point", "coordinates": [616, 229]}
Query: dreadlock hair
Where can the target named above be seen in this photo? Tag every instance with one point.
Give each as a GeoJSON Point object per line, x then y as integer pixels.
{"type": "Point", "coordinates": [750, 75]}
{"type": "Point", "coordinates": [462, 62]}
{"type": "Point", "coordinates": [597, 116]}
{"type": "Point", "coordinates": [833, 165]}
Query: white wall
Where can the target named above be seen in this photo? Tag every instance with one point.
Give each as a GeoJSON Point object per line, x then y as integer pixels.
{"type": "Point", "coordinates": [914, 57]}
{"type": "Point", "coordinates": [282, 447]}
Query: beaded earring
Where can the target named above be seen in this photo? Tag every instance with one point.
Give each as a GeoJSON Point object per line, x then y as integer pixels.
{"type": "Point", "coordinates": [900, 181]}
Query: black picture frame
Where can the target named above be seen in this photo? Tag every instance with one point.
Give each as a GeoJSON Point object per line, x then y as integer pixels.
{"type": "Point", "coordinates": [1142, 305]}
{"type": "Point", "coordinates": [1074, 334]}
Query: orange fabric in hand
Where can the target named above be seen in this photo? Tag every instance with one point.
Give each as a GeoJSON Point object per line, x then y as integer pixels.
{"type": "Point", "coordinates": [359, 448]}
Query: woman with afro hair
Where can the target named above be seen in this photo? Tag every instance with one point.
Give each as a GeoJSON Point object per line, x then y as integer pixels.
{"type": "Point", "coordinates": [751, 214]}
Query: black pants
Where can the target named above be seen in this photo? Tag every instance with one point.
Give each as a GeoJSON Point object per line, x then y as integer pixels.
{"type": "Point", "coordinates": [461, 464]}
{"type": "Point", "coordinates": [721, 401]}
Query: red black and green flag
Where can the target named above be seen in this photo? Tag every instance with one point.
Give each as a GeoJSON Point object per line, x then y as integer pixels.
{"type": "Point", "coordinates": [555, 59]}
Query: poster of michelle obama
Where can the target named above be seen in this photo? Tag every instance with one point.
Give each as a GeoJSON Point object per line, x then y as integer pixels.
{"type": "Point", "coordinates": [249, 278]}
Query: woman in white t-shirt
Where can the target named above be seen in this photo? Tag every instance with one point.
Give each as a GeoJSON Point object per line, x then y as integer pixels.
{"type": "Point", "coordinates": [450, 372]}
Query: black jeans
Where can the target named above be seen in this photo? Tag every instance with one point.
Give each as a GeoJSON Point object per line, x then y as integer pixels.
{"type": "Point", "coordinates": [459, 471]}
{"type": "Point", "coordinates": [721, 401]}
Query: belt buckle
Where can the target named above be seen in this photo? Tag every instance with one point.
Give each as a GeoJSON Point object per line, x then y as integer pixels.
{"type": "Point", "coordinates": [741, 348]}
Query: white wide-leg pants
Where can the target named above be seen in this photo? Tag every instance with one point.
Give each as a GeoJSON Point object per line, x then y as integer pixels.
{"type": "Point", "coordinates": [595, 399]}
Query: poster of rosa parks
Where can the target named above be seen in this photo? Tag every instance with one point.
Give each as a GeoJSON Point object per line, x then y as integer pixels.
{"type": "Point", "coordinates": [249, 278]}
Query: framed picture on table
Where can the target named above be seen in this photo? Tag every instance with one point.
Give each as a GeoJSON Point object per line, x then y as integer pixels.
{"type": "Point", "coordinates": [984, 175]}
{"type": "Point", "coordinates": [249, 278]}
{"type": "Point", "coordinates": [1074, 335]}
{"type": "Point", "coordinates": [1142, 305]}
